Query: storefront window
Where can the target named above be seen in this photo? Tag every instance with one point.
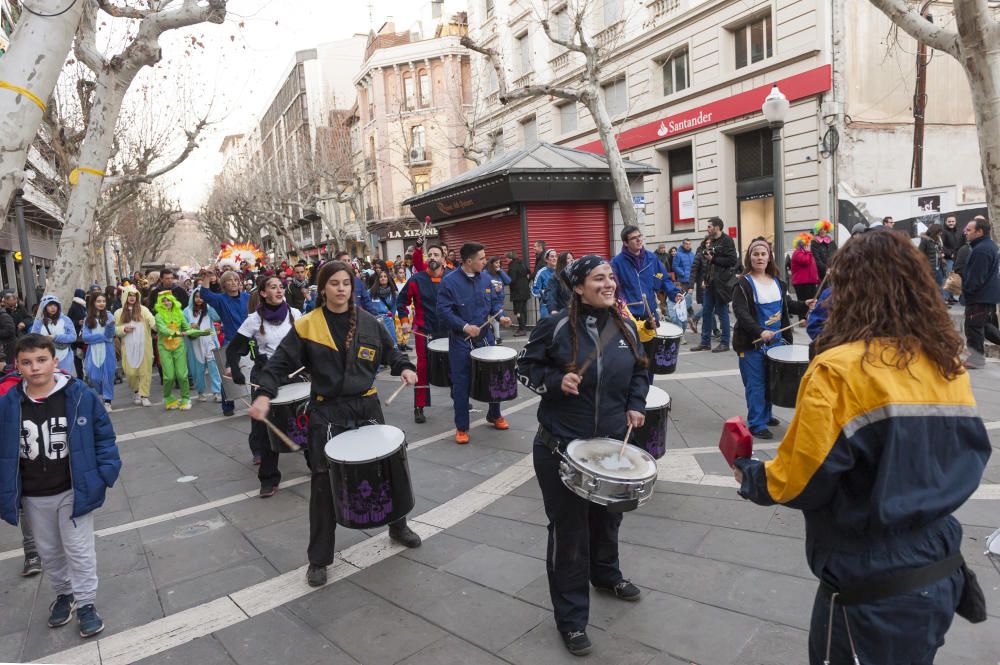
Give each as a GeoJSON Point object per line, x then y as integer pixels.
{"type": "Point", "coordinates": [682, 198]}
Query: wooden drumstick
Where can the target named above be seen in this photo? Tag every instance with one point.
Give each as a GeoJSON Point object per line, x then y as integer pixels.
{"type": "Point", "coordinates": [395, 393]}
{"type": "Point", "coordinates": [492, 316]}
{"type": "Point", "coordinates": [294, 447]}
{"type": "Point", "coordinates": [417, 332]}
{"type": "Point", "coordinates": [777, 332]}
{"type": "Point", "coordinates": [789, 327]}
{"type": "Point", "coordinates": [293, 374]}
{"type": "Point", "coordinates": [628, 432]}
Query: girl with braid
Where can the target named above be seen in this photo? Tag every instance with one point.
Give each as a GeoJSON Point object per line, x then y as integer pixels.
{"type": "Point", "coordinates": [342, 347]}
{"type": "Point", "coordinates": [590, 370]}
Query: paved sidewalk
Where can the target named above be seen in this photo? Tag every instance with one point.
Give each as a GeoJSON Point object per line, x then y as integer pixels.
{"type": "Point", "coordinates": [205, 572]}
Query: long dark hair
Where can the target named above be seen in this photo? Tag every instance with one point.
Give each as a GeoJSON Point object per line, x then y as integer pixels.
{"type": "Point", "coordinates": [575, 307]}
{"type": "Point", "coordinates": [376, 288]}
{"type": "Point", "coordinates": [93, 318]}
{"type": "Point", "coordinates": [328, 270]}
{"type": "Point", "coordinates": [770, 269]}
{"type": "Point", "coordinates": [882, 288]}
{"type": "Point", "coordinates": [262, 301]}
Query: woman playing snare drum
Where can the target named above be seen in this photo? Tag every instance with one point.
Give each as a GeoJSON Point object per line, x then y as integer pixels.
{"type": "Point", "coordinates": [589, 368]}
{"type": "Point", "coordinates": [342, 347]}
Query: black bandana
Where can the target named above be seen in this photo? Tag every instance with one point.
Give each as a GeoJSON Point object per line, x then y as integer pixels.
{"type": "Point", "coordinates": [575, 273]}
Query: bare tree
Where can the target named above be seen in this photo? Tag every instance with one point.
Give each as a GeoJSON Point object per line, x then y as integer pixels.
{"type": "Point", "coordinates": [586, 89]}
{"type": "Point", "coordinates": [113, 78]}
{"type": "Point", "coordinates": [975, 43]}
{"type": "Point", "coordinates": [142, 224]}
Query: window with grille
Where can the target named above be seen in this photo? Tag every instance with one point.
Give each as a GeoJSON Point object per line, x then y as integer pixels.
{"type": "Point", "coordinates": [754, 155]}
{"type": "Point", "coordinates": [675, 73]}
{"type": "Point", "coordinates": [615, 97]}
{"type": "Point", "coordinates": [753, 42]}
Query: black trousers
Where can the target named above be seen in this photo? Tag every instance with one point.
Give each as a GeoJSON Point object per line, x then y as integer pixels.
{"type": "Point", "coordinates": [980, 325]}
{"type": "Point", "coordinates": [521, 312]}
{"type": "Point", "coordinates": [327, 419]}
{"type": "Point", "coordinates": [582, 548]}
{"type": "Point", "coordinates": [267, 473]}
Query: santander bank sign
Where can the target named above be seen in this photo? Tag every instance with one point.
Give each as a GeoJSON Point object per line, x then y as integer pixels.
{"type": "Point", "coordinates": [799, 86]}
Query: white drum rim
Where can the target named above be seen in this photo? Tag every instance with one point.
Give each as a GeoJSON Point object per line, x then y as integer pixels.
{"type": "Point", "coordinates": [292, 392]}
{"type": "Point", "coordinates": [364, 444]}
{"type": "Point", "coordinates": [494, 353]}
{"type": "Point", "coordinates": [657, 398]}
{"type": "Point", "coordinates": [613, 445]}
{"type": "Point", "coordinates": [669, 330]}
{"type": "Point", "coordinates": [792, 354]}
{"type": "Point", "coordinates": [440, 345]}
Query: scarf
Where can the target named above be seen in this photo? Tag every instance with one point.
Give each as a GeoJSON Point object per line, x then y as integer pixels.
{"type": "Point", "coordinates": [304, 284]}
{"type": "Point", "coordinates": [383, 293]}
{"type": "Point", "coordinates": [637, 260]}
{"type": "Point", "coordinates": [273, 314]}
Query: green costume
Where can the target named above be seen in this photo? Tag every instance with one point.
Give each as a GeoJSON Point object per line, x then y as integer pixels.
{"type": "Point", "coordinates": [171, 324]}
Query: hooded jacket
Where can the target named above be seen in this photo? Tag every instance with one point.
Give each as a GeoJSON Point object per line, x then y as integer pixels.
{"type": "Point", "coordinates": [170, 323]}
{"type": "Point", "coordinates": [63, 332]}
{"type": "Point", "coordinates": [93, 455]}
{"type": "Point", "coordinates": [683, 262]}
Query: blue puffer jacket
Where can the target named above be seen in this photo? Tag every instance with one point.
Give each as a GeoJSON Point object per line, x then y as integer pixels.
{"type": "Point", "coordinates": [93, 455]}
{"type": "Point", "coordinates": [682, 265]}
{"type": "Point", "coordinates": [647, 280]}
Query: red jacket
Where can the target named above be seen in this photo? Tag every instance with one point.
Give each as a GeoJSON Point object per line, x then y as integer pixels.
{"type": "Point", "coordinates": [804, 270]}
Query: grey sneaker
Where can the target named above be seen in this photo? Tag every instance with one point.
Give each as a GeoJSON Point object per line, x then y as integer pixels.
{"type": "Point", "coordinates": [61, 610]}
{"type": "Point", "coordinates": [316, 575]}
{"type": "Point", "coordinates": [91, 622]}
{"type": "Point", "coordinates": [577, 642]}
{"type": "Point", "coordinates": [32, 565]}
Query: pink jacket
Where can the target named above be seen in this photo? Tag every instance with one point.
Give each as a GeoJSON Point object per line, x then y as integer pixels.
{"type": "Point", "coordinates": [804, 269]}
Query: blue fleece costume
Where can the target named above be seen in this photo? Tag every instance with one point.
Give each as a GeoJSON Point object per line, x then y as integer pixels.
{"type": "Point", "coordinates": [198, 360]}
{"type": "Point", "coordinates": [461, 300]}
{"type": "Point", "coordinates": [99, 364]}
{"type": "Point", "coordinates": [60, 328]}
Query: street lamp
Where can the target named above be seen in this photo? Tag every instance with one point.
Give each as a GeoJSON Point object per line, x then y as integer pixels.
{"type": "Point", "coordinates": [28, 272]}
{"type": "Point", "coordinates": [775, 110]}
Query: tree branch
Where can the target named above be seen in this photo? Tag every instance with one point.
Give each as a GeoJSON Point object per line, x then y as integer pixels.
{"type": "Point", "coordinates": [909, 19]}
{"type": "Point", "coordinates": [122, 11]}
{"type": "Point", "coordinates": [146, 178]}
{"type": "Point", "coordinates": [85, 47]}
{"type": "Point", "coordinates": [523, 92]}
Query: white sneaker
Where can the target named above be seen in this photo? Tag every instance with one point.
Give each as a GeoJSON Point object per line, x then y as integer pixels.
{"type": "Point", "coordinates": [146, 402]}
{"type": "Point", "coordinates": [107, 406]}
{"type": "Point", "coordinates": [136, 399]}
{"type": "Point", "coordinates": [202, 397]}
{"type": "Point", "coordinates": [217, 397]}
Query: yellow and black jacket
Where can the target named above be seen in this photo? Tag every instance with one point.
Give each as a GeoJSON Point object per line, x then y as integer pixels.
{"type": "Point", "coordinates": [310, 344]}
{"type": "Point", "coordinates": [877, 458]}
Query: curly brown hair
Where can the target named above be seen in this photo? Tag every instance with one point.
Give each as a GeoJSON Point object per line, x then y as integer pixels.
{"type": "Point", "coordinates": [882, 288]}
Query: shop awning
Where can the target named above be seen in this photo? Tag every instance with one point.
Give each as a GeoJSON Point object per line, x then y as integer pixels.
{"type": "Point", "coordinates": [540, 172]}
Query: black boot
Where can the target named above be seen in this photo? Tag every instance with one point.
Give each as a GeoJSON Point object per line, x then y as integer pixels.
{"type": "Point", "coordinates": [403, 534]}
{"type": "Point", "coordinates": [316, 575]}
{"type": "Point", "coordinates": [418, 415]}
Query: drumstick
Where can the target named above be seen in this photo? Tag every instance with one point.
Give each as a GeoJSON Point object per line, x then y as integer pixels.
{"type": "Point", "coordinates": [492, 316]}
{"type": "Point", "coordinates": [294, 447]}
{"type": "Point", "coordinates": [292, 375]}
{"type": "Point", "coordinates": [625, 442]}
{"type": "Point", "coordinates": [789, 327]}
{"type": "Point", "coordinates": [417, 332]}
{"type": "Point", "coordinates": [394, 394]}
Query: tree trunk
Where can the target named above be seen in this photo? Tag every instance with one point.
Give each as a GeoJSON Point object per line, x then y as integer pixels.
{"type": "Point", "coordinates": [982, 68]}
{"type": "Point", "coordinates": [38, 49]}
{"type": "Point", "coordinates": [609, 141]}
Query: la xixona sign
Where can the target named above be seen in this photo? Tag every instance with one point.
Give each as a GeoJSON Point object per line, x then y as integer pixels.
{"type": "Point", "coordinates": [409, 233]}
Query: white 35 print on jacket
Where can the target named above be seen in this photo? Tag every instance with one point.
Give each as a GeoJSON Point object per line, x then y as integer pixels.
{"type": "Point", "coordinates": [53, 437]}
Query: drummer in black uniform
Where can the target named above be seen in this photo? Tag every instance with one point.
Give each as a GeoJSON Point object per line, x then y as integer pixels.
{"type": "Point", "coordinates": [342, 347]}
{"type": "Point", "coordinates": [608, 397]}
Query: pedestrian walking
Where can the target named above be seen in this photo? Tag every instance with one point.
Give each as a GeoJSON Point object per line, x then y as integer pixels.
{"type": "Point", "coordinates": [135, 324]}
{"type": "Point", "coordinates": [200, 349]}
{"type": "Point", "coordinates": [57, 459]}
{"type": "Point", "coordinates": [171, 329]}
{"type": "Point", "coordinates": [499, 279]}
{"type": "Point", "coordinates": [98, 334]}
{"type": "Point", "coordinates": [884, 447]}
{"type": "Point", "coordinates": [980, 291]}
{"type": "Point", "coordinates": [382, 302]}
{"type": "Point", "coordinates": [298, 285]}
{"type": "Point", "coordinates": [719, 270]}
{"type": "Point", "coordinates": [541, 281]}
{"type": "Point", "coordinates": [556, 295]}
{"type": "Point", "coordinates": [641, 276]}
{"type": "Point", "coordinates": [952, 238]}
{"type": "Point", "coordinates": [824, 246]}
{"type": "Point", "coordinates": [231, 305]}
{"type": "Point", "coordinates": [932, 246]}
{"type": "Point", "coordinates": [520, 291]}
{"type": "Point", "coordinates": [77, 313]}
{"type": "Point", "coordinates": [805, 272]}
{"type": "Point", "coordinates": [59, 328]}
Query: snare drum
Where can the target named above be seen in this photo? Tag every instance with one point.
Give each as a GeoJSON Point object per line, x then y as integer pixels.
{"type": "Point", "coordinates": [786, 365]}
{"type": "Point", "coordinates": [652, 436]}
{"type": "Point", "coordinates": [494, 374]}
{"type": "Point", "coordinates": [593, 469]}
{"type": "Point", "coordinates": [370, 476]}
{"type": "Point", "coordinates": [288, 413]}
{"type": "Point", "coordinates": [662, 349]}
{"type": "Point", "coordinates": [438, 366]}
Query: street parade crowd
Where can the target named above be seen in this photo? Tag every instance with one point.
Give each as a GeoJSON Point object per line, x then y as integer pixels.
{"type": "Point", "coordinates": [885, 444]}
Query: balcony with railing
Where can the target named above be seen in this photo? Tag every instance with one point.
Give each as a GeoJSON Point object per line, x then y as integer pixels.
{"type": "Point", "coordinates": [560, 62]}
{"type": "Point", "coordinates": [524, 79]}
{"type": "Point", "coordinates": [658, 9]}
{"type": "Point", "coordinates": [609, 35]}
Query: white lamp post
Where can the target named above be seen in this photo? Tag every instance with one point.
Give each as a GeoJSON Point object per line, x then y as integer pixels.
{"type": "Point", "coordinates": [775, 109]}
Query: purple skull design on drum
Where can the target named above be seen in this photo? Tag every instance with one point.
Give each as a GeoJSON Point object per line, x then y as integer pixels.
{"type": "Point", "coordinates": [297, 428]}
{"type": "Point", "coordinates": [666, 354]}
{"type": "Point", "coordinates": [657, 443]}
{"type": "Point", "coordinates": [503, 385]}
{"type": "Point", "coordinates": [366, 503]}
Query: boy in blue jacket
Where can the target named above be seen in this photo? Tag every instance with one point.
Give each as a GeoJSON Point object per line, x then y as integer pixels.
{"type": "Point", "coordinates": [57, 464]}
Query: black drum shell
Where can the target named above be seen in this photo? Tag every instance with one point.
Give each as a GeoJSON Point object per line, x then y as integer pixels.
{"type": "Point", "coordinates": [493, 380]}
{"type": "Point", "coordinates": [371, 494]}
{"type": "Point", "coordinates": [652, 436]}
{"type": "Point", "coordinates": [661, 353]}
{"type": "Point", "coordinates": [438, 368]}
{"type": "Point", "coordinates": [783, 379]}
{"type": "Point", "coordinates": [290, 418]}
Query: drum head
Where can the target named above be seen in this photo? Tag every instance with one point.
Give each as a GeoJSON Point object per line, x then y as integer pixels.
{"type": "Point", "coordinates": [293, 392]}
{"type": "Point", "coordinates": [789, 353]}
{"type": "Point", "coordinates": [669, 330]}
{"type": "Point", "coordinates": [600, 457]}
{"type": "Point", "coordinates": [440, 344]}
{"type": "Point", "coordinates": [494, 353]}
{"type": "Point", "coordinates": [364, 444]}
{"type": "Point", "coordinates": [657, 398]}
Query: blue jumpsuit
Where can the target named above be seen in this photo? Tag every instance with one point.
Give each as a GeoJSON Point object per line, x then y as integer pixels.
{"type": "Point", "coordinates": [466, 300]}
{"type": "Point", "coordinates": [753, 363]}
{"type": "Point", "coordinates": [99, 364]}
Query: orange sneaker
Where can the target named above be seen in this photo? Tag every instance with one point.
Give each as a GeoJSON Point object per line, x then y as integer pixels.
{"type": "Point", "coordinates": [499, 423]}
{"type": "Point", "coordinates": [461, 437]}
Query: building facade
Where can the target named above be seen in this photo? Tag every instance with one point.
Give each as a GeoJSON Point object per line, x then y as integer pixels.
{"type": "Point", "coordinates": [684, 81]}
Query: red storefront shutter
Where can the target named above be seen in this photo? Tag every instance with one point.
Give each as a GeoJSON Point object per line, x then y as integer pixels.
{"type": "Point", "coordinates": [578, 227]}
{"type": "Point", "coordinates": [497, 235]}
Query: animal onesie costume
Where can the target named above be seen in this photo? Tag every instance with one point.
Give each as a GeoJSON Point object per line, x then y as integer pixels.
{"type": "Point", "coordinates": [199, 349]}
{"type": "Point", "coordinates": [170, 326]}
{"type": "Point", "coordinates": [137, 346]}
{"type": "Point", "coordinates": [100, 363]}
{"type": "Point", "coordinates": [60, 329]}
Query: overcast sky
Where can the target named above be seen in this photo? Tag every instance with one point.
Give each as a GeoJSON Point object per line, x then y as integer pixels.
{"type": "Point", "coordinates": [244, 60]}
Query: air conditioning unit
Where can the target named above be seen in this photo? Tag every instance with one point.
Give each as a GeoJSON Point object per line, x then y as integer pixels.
{"type": "Point", "coordinates": [416, 155]}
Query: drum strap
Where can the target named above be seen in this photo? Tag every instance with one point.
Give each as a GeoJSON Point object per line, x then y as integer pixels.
{"type": "Point", "coordinates": [551, 442]}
